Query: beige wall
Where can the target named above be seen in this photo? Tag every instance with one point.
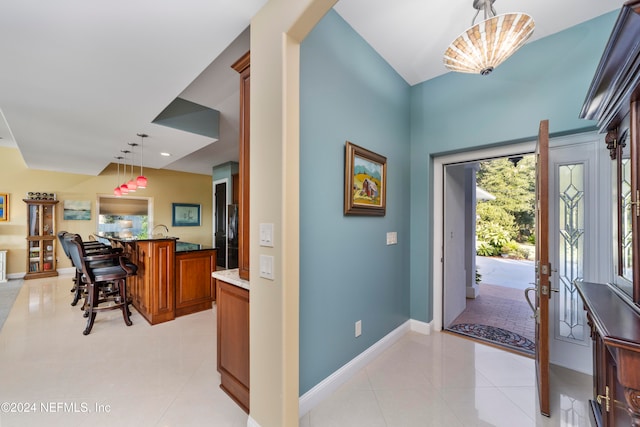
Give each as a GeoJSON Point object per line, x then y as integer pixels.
{"type": "Point", "coordinates": [276, 32]}
{"type": "Point", "coordinates": [165, 187]}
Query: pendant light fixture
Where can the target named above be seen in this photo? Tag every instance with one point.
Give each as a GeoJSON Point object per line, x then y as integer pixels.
{"type": "Point", "coordinates": [116, 191]}
{"type": "Point", "coordinates": [142, 180]}
{"type": "Point", "coordinates": [485, 45]}
{"type": "Point", "coordinates": [124, 188]}
{"type": "Point", "coordinates": [132, 184]}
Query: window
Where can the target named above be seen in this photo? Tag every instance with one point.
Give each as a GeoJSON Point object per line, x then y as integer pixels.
{"type": "Point", "coordinates": [124, 217]}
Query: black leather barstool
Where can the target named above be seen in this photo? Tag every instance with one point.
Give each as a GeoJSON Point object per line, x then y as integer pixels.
{"type": "Point", "coordinates": [92, 248]}
{"type": "Point", "coordinates": [106, 286]}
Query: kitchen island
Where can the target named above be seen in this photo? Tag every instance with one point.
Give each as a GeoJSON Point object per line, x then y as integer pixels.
{"type": "Point", "coordinates": [173, 279]}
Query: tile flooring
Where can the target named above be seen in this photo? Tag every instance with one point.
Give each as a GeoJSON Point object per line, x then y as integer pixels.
{"type": "Point", "coordinates": [502, 307]}
{"type": "Point", "coordinates": [166, 376]}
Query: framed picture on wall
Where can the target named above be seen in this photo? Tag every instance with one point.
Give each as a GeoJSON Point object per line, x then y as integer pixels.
{"type": "Point", "coordinates": [365, 182]}
{"type": "Point", "coordinates": [185, 215]}
{"type": "Point", "coordinates": [77, 210]}
{"type": "Point", "coordinates": [4, 207]}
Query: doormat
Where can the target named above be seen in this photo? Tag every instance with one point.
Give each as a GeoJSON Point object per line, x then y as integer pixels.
{"type": "Point", "coordinates": [495, 335]}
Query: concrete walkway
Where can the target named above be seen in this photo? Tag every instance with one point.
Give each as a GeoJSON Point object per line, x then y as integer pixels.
{"type": "Point", "coordinates": [510, 273]}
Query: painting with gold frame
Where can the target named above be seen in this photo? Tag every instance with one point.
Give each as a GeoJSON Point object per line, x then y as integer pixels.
{"type": "Point", "coordinates": [365, 182]}
{"type": "Point", "coordinates": [4, 207]}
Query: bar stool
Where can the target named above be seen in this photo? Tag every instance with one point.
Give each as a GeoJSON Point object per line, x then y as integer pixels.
{"type": "Point", "coordinates": [106, 286]}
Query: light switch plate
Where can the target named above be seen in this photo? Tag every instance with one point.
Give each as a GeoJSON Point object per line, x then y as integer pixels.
{"type": "Point", "coordinates": [266, 235]}
{"type": "Point", "coordinates": [392, 238]}
{"type": "Point", "coordinates": [266, 266]}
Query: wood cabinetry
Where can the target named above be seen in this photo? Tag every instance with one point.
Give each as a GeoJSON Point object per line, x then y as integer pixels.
{"type": "Point", "coordinates": [195, 288]}
{"type": "Point", "coordinates": [41, 238]}
{"type": "Point", "coordinates": [615, 330]}
{"type": "Point", "coordinates": [242, 67]}
{"type": "Point", "coordinates": [152, 289]}
{"type": "Point", "coordinates": [233, 341]}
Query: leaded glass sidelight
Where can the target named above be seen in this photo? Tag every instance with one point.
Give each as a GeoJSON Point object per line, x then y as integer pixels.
{"type": "Point", "coordinates": [571, 250]}
{"type": "Point", "coordinates": [626, 240]}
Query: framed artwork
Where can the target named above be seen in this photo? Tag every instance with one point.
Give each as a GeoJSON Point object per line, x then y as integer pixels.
{"type": "Point", "coordinates": [365, 182]}
{"type": "Point", "coordinates": [185, 215]}
{"type": "Point", "coordinates": [4, 207]}
{"type": "Point", "coordinates": [76, 210]}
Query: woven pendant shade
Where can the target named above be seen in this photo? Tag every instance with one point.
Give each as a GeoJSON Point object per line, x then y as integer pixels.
{"type": "Point", "coordinates": [487, 44]}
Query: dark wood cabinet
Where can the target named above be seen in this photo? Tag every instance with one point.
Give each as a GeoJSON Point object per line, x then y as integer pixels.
{"type": "Point", "coordinates": [242, 67]}
{"type": "Point", "coordinates": [195, 288]}
{"type": "Point", "coordinates": [233, 341]}
{"type": "Point", "coordinates": [41, 238]}
{"type": "Point", "coordinates": [615, 330]}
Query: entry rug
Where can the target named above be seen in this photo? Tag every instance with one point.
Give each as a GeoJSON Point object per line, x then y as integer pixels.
{"type": "Point", "coordinates": [495, 335]}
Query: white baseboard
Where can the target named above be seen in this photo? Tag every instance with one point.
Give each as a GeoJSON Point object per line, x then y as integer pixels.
{"type": "Point", "coordinates": [421, 327]}
{"type": "Point", "coordinates": [251, 422]}
{"type": "Point", "coordinates": [326, 387]}
{"type": "Point", "coordinates": [61, 271]}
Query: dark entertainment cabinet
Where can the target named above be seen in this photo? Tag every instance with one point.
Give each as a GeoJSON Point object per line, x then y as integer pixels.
{"type": "Point", "coordinates": [613, 310]}
{"type": "Point", "coordinates": [615, 330]}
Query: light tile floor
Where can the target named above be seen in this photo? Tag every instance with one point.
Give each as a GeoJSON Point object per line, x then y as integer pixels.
{"type": "Point", "coordinates": [166, 376]}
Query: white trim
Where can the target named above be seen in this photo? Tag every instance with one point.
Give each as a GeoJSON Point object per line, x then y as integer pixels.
{"type": "Point", "coordinates": [326, 387]}
{"type": "Point", "coordinates": [251, 422]}
{"type": "Point", "coordinates": [423, 328]}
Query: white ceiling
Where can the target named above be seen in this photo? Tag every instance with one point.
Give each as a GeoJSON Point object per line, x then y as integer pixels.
{"type": "Point", "coordinates": [80, 78]}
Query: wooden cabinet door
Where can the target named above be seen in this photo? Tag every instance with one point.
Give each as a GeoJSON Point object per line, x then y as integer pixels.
{"type": "Point", "coordinates": [233, 341]}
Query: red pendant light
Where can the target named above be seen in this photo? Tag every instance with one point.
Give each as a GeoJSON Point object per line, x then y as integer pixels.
{"type": "Point", "coordinates": [117, 191]}
{"type": "Point", "coordinates": [142, 180]}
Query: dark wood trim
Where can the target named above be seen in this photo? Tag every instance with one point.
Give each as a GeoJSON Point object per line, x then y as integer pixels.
{"type": "Point", "coordinates": [616, 77]}
{"type": "Point", "coordinates": [242, 66]}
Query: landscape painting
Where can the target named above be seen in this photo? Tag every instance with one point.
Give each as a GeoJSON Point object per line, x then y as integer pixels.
{"type": "Point", "coordinates": [4, 207]}
{"type": "Point", "coordinates": [365, 181]}
{"type": "Point", "coordinates": [77, 210]}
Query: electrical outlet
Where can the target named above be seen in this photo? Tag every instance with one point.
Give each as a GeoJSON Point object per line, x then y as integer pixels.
{"type": "Point", "coordinates": [358, 328]}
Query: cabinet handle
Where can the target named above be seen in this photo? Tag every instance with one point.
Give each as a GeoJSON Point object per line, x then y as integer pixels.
{"type": "Point", "coordinates": [606, 398]}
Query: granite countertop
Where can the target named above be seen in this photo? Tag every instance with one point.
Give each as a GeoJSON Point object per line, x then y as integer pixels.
{"type": "Point", "coordinates": [189, 247]}
{"type": "Point", "coordinates": [232, 277]}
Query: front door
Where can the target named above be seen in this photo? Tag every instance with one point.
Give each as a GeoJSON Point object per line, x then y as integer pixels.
{"type": "Point", "coordinates": [543, 268]}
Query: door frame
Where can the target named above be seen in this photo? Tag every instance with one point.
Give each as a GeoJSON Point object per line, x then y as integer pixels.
{"type": "Point", "coordinates": [602, 234]}
{"type": "Point", "coordinates": [437, 248]}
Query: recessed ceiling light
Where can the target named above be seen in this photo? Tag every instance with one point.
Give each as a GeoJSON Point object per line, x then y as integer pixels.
{"type": "Point", "coordinates": [165, 154]}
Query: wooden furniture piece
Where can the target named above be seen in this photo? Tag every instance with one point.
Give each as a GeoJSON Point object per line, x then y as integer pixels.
{"type": "Point", "coordinates": [613, 309]}
{"type": "Point", "coordinates": [614, 101]}
{"type": "Point", "coordinates": [242, 66]}
{"type": "Point", "coordinates": [41, 238]}
{"type": "Point", "coordinates": [105, 277]}
{"type": "Point", "coordinates": [615, 330]}
{"type": "Point", "coordinates": [153, 289]}
{"type": "Point", "coordinates": [233, 335]}
{"type": "Point", "coordinates": [195, 288]}
{"type": "Point", "coordinates": [174, 278]}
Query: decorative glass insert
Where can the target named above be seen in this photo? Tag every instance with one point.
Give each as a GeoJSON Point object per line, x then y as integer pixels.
{"type": "Point", "coordinates": [625, 220]}
{"type": "Point", "coordinates": [571, 250]}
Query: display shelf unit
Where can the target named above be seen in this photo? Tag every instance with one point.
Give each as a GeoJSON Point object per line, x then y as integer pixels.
{"type": "Point", "coordinates": [41, 238]}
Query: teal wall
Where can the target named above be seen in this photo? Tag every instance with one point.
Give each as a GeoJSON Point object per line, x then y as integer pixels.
{"type": "Point", "coordinates": [347, 272]}
{"type": "Point", "coordinates": [546, 79]}
{"type": "Point", "coordinates": [225, 171]}
{"type": "Point", "coordinates": [348, 92]}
